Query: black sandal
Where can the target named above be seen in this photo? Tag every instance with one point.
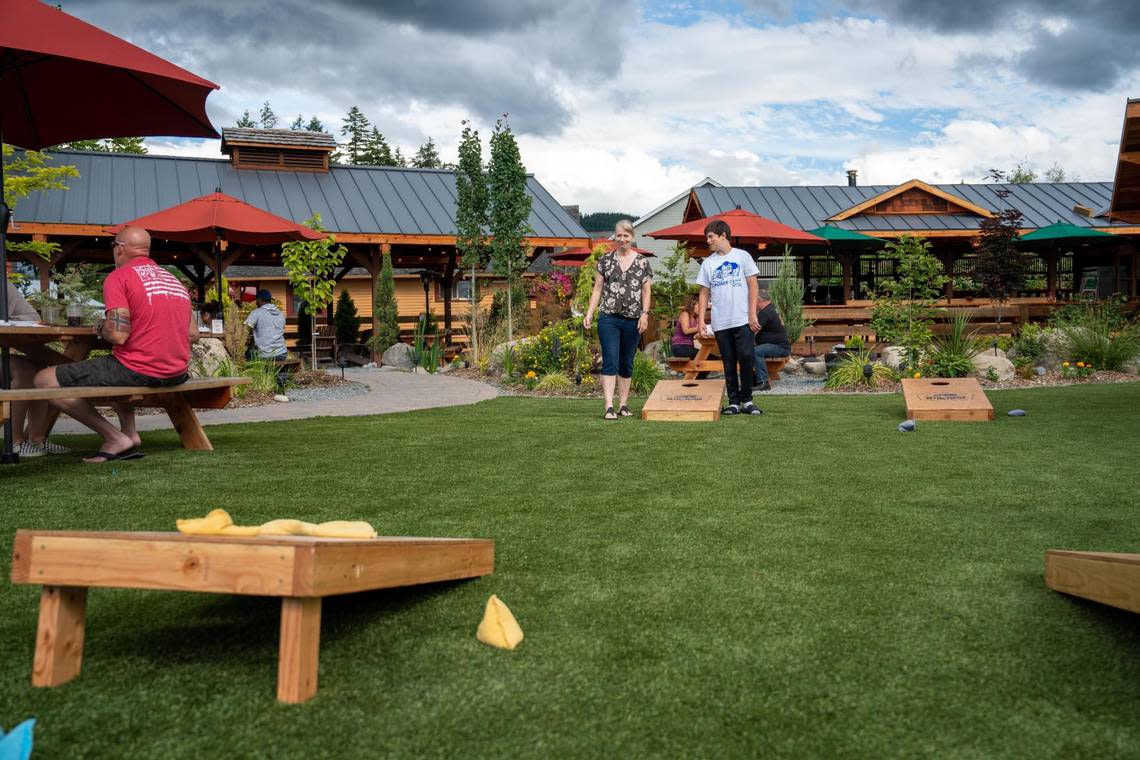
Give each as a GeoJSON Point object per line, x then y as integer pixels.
{"type": "Point", "coordinates": [608, 412]}
{"type": "Point", "coordinates": [624, 411]}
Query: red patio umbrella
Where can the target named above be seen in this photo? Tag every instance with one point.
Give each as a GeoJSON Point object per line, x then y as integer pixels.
{"type": "Point", "coordinates": [216, 217]}
{"type": "Point", "coordinates": [576, 257]}
{"type": "Point", "coordinates": [62, 79]}
{"type": "Point", "coordinates": [746, 227]}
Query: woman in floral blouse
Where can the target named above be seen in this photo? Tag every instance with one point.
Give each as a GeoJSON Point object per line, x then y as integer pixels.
{"type": "Point", "coordinates": [622, 286]}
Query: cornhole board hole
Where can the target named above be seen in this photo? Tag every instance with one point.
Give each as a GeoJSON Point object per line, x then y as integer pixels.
{"type": "Point", "coordinates": [301, 570]}
{"type": "Point", "coordinates": [685, 401]}
{"type": "Point", "coordinates": [1105, 577]}
{"type": "Point", "coordinates": [949, 398]}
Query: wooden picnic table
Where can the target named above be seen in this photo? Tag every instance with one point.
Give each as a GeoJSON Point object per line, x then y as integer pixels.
{"type": "Point", "coordinates": [708, 360]}
{"type": "Point", "coordinates": [299, 569]}
{"type": "Point", "coordinates": [33, 342]}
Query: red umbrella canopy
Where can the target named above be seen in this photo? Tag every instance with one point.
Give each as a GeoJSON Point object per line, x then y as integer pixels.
{"type": "Point", "coordinates": [217, 215]}
{"type": "Point", "coordinates": [746, 227]}
{"type": "Point", "coordinates": [580, 254]}
{"type": "Point", "coordinates": [63, 79]}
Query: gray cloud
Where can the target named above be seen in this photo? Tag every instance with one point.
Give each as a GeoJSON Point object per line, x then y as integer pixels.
{"type": "Point", "coordinates": [485, 57]}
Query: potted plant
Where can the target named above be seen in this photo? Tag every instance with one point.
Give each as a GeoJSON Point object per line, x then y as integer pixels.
{"type": "Point", "coordinates": [73, 287]}
{"type": "Point", "coordinates": [47, 306]}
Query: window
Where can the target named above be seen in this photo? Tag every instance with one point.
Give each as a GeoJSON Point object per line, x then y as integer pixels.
{"type": "Point", "coordinates": [461, 290]}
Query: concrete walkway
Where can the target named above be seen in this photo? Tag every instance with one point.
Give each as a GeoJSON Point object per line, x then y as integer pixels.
{"type": "Point", "coordinates": [389, 391]}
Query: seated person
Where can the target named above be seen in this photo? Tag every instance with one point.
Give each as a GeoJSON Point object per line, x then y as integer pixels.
{"type": "Point", "coordinates": [267, 325]}
{"type": "Point", "coordinates": [685, 327]}
{"type": "Point", "coordinates": [29, 418]}
{"type": "Point", "coordinates": [771, 339]}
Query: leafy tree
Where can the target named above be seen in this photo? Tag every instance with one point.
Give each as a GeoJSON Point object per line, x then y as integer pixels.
{"type": "Point", "coordinates": [28, 172]}
{"type": "Point", "coordinates": [310, 264]}
{"type": "Point", "coordinates": [603, 221]}
{"type": "Point", "coordinates": [509, 210]}
{"type": "Point", "coordinates": [385, 310]}
{"type": "Point", "coordinates": [1022, 175]}
{"type": "Point", "coordinates": [246, 121]}
{"type": "Point", "coordinates": [472, 220]}
{"type": "Point", "coordinates": [427, 157]}
{"type": "Point", "coordinates": [1055, 174]}
{"type": "Point", "coordinates": [267, 117]}
{"type": "Point", "coordinates": [787, 293]}
{"type": "Point", "coordinates": [346, 320]}
{"type": "Point", "coordinates": [315, 125]}
{"type": "Point", "coordinates": [999, 267]}
{"type": "Point", "coordinates": [904, 305]}
{"type": "Point", "coordinates": [584, 285]}
{"type": "Point", "coordinates": [355, 127]}
{"type": "Point", "coordinates": [111, 145]}
{"type": "Point", "coordinates": [298, 123]}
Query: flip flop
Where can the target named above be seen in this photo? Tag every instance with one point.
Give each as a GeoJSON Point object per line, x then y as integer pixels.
{"type": "Point", "coordinates": [624, 411]}
{"type": "Point", "coordinates": [107, 456]}
{"type": "Point", "coordinates": [609, 410]}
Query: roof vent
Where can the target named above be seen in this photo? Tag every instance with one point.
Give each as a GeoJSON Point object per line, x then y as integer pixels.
{"type": "Point", "coordinates": [851, 174]}
{"type": "Point", "coordinates": [291, 150]}
{"type": "Point", "coordinates": [1083, 210]}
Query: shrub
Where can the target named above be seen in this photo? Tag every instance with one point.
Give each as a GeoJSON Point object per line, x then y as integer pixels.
{"type": "Point", "coordinates": [1030, 343]}
{"type": "Point", "coordinates": [904, 305]}
{"type": "Point", "coordinates": [854, 343]}
{"type": "Point", "coordinates": [346, 320]}
{"type": "Point", "coordinates": [558, 347]}
{"type": "Point", "coordinates": [1100, 334]}
{"type": "Point", "coordinates": [787, 292]}
{"type": "Point", "coordinates": [850, 373]}
{"type": "Point", "coordinates": [950, 355]}
{"type": "Point", "coordinates": [646, 373]}
{"type": "Point", "coordinates": [554, 381]}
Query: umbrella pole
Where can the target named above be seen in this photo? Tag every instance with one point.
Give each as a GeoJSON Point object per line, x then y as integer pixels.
{"type": "Point", "coordinates": [218, 279]}
{"type": "Point", "coordinates": [7, 456]}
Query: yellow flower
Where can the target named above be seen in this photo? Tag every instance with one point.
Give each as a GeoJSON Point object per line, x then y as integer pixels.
{"type": "Point", "coordinates": [1064, 364]}
{"type": "Point", "coordinates": [917, 375]}
{"type": "Point", "coordinates": [530, 375]}
{"type": "Point", "coordinates": [1080, 364]}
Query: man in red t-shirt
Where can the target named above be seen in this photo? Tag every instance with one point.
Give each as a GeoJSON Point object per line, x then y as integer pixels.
{"type": "Point", "coordinates": [150, 327]}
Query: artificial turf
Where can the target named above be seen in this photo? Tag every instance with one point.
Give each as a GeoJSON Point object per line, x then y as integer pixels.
{"type": "Point", "coordinates": [810, 583]}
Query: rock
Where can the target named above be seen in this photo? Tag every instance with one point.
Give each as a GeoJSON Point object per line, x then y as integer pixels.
{"type": "Point", "coordinates": [206, 356]}
{"type": "Point", "coordinates": [1131, 367]}
{"type": "Point", "coordinates": [1016, 412]}
{"type": "Point", "coordinates": [793, 365]}
{"type": "Point", "coordinates": [817, 367]}
{"type": "Point", "coordinates": [1039, 371]}
{"type": "Point", "coordinates": [447, 367]}
{"type": "Point", "coordinates": [654, 352]}
{"type": "Point", "coordinates": [498, 351]}
{"type": "Point", "coordinates": [1054, 349]}
{"type": "Point", "coordinates": [995, 353]}
{"type": "Point", "coordinates": [906, 427]}
{"type": "Point", "coordinates": [1002, 366]}
{"type": "Point", "coordinates": [281, 399]}
{"type": "Point", "coordinates": [892, 356]}
{"type": "Point", "coordinates": [398, 355]}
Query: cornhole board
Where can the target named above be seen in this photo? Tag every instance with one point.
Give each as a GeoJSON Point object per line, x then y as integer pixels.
{"type": "Point", "coordinates": [299, 569]}
{"type": "Point", "coordinates": [1105, 577]}
{"type": "Point", "coordinates": [949, 398]}
{"type": "Point", "coordinates": [684, 401]}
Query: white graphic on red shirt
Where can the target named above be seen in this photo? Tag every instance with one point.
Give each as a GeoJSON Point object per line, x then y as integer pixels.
{"type": "Point", "coordinates": [157, 281]}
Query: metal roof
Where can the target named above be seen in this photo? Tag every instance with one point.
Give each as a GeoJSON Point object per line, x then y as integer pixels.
{"type": "Point", "coordinates": [808, 207]}
{"type": "Point", "coordinates": [117, 187]}
{"type": "Point", "coordinates": [283, 137]}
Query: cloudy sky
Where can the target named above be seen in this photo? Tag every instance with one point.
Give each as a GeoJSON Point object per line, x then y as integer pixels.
{"type": "Point", "coordinates": [621, 104]}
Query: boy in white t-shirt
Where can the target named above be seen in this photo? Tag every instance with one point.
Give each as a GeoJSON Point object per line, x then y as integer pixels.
{"type": "Point", "coordinates": [728, 278]}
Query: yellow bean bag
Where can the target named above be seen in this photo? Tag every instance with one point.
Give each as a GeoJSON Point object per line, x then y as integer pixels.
{"type": "Point", "coordinates": [499, 627]}
{"type": "Point", "coordinates": [219, 523]}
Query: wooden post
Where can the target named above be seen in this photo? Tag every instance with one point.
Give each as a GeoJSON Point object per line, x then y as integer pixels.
{"type": "Point", "coordinates": [805, 262]}
{"type": "Point", "coordinates": [448, 279]}
{"type": "Point", "coordinates": [374, 271]}
{"type": "Point", "coordinates": [299, 652]}
{"type": "Point", "coordinates": [948, 260]}
{"type": "Point", "coordinates": [1051, 275]}
{"type": "Point", "coordinates": [59, 635]}
{"type": "Point", "coordinates": [848, 261]}
{"type": "Point", "coordinates": [1116, 270]}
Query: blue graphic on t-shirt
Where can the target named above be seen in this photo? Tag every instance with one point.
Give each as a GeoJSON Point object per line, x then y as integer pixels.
{"type": "Point", "coordinates": [727, 273]}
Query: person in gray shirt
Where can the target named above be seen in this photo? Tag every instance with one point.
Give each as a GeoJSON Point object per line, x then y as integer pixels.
{"type": "Point", "coordinates": [268, 325]}
{"type": "Point", "coordinates": [29, 418]}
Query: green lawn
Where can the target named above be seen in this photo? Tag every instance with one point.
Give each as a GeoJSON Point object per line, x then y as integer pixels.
{"type": "Point", "coordinates": [809, 583]}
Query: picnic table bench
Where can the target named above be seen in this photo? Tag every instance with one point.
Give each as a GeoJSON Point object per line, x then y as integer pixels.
{"type": "Point", "coordinates": [299, 569]}
{"type": "Point", "coordinates": [179, 401]}
{"type": "Point", "coordinates": [703, 361]}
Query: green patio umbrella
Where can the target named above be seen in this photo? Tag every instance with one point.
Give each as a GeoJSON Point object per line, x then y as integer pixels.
{"type": "Point", "coordinates": [1061, 231]}
{"type": "Point", "coordinates": [845, 238]}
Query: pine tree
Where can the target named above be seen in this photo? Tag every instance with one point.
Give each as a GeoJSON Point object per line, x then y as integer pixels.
{"type": "Point", "coordinates": [346, 320]}
{"type": "Point", "coordinates": [354, 127]}
{"type": "Point", "coordinates": [397, 158]}
{"type": "Point", "coordinates": [246, 121]}
{"type": "Point", "coordinates": [385, 310]}
{"type": "Point", "coordinates": [376, 152]}
{"type": "Point", "coordinates": [471, 219]}
{"type": "Point", "coordinates": [298, 123]}
{"type": "Point", "coordinates": [427, 157]}
{"type": "Point", "coordinates": [315, 125]}
{"type": "Point", "coordinates": [268, 118]}
{"type": "Point", "coordinates": [509, 209]}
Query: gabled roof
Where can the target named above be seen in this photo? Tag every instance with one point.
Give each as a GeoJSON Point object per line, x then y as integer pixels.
{"type": "Point", "coordinates": [913, 184]}
{"type": "Point", "coordinates": [115, 187]}
{"type": "Point", "coordinates": [808, 207]}
{"type": "Point", "coordinates": [293, 138]}
{"type": "Point", "coordinates": [1125, 204]}
{"type": "Point", "coordinates": [706, 182]}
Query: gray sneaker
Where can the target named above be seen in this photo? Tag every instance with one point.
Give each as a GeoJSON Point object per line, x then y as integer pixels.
{"type": "Point", "coordinates": [750, 408]}
{"type": "Point", "coordinates": [29, 449]}
{"type": "Point", "coordinates": [54, 448]}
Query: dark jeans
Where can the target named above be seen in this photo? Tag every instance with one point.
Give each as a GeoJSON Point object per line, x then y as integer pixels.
{"type": "Point", "coordinates": [763, 351]}
{"type": "Point", "coordinates": [619, 338]}
{"type": "Point", "coordinates": [735, 346]}
{"type": "Point", "coordinates": [109, 371]}
{"type": "Point", "coordinates": [684, 351]}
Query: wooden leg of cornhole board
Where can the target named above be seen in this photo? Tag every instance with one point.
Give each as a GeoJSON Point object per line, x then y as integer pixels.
{"type": "Point", "coordinates": [1104, 577]}
{"type": "Point", "coordinates": [300, 649]}
{"type": "Point", "coordinates": [59, 635]}
{"type": "Point", "coordinates": [186, 423]}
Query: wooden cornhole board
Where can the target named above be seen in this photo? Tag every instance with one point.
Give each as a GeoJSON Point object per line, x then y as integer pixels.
{"type": "Point", "coordinates": [1104, 577]}
{"type": "Point", "coordinates": [684, 401]}
{"type": "Point", "coordinates": [299, 569]}
{"type": "Point", "coordinates": [950, 398]}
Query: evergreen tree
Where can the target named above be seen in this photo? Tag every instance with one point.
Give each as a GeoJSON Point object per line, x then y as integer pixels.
{"type": "Point", "coordinates": [427, 157]}
{"type": "Point", "coordinates": [471, 220]}
{"type": "Point", "coordinates": [315, 125]}
{"type": "Point", "coordinates": [246, 121]}
{"type": "Point", "coordinates": [397, 158]}
{"type": "Point", "coordinates": [298, 123]}
{"type": "Point", "coordinates": [385, 310]}
{"type": "Point", "coordinates": [110, 145]}
{"type": "Point", "coordinates": [354, 127]}
{"type": "Point", "coordinates": [346, 320]}
{"type": "Point", "coordinates": [376, 152]}
{"type": "Point", "coordinates": [267, 117]}
{"type": "Point", "coordinates": [509, 210]}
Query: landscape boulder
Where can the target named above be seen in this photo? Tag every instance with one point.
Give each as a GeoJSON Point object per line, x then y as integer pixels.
{"type": "Point", "coordinates": [398, 355]}
{"type": "Point", "coordinates": [1002, 366]}
{"type": "Point", "coordinates": [206, 356]}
